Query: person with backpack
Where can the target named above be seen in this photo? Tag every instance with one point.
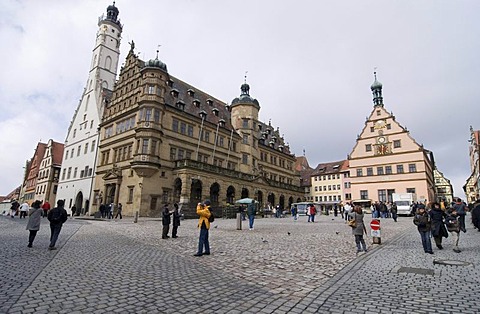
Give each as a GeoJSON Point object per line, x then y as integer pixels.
{"type": "Point", "coordinates": [460, 208]}
{"type": "Point", "coordinates": [57, 218]}
{"type": "Point", "coordinates": [452, 222]}
{"type": "Point", "coordinates": [205, 217]}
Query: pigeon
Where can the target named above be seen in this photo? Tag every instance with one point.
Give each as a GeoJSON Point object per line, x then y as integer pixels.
{"type": "Point", "coordinates": [264, 241]}
{"type": "Point", "coordinates": [337, 232]}
{"type": "Point", "coordinates": [215, 227]}
{"type": "Point", "coordinates": [288, 233]}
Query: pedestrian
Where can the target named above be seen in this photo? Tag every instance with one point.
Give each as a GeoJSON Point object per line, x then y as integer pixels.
{"type": "Point", "coordinates": [165, 221]}
{"type": "Point", "coordinates": [346, 210]}
{"type": "Point", "coordinates": [57, 217]}
{"type": "Point", "coordinates": [394, 211]}
{"type": "Point", "coordinates": [359, 229]}
{"type": "Point", "coordinates": [33, 224]}
{"type": "Point", "coordinates": [111, 208]}
{"type": "Point", "coordinates": [461, 210]}
{"type": "Point", "coordinates": [335, 210]}
{"type": "Point", "coordinates": [102, 210]}
{"type": "Point", "coordinates": [312, 211]}
{"type": "Point", "coordinates": [453, 226]}
{"type": "Point", "coordinates": [476, 215]}
{"type": "Point", "coordinates": [293, 210]}
{"type": "Point", "coordinates": [251, 214]}
{"type": "Point", "coordinates": [45, 208]}
{"type": "Point", "coordinates": [74, 210]}
{"type": "Point", "coordinates": [119, 211]}
{"type": "Point", "coordinates": [383, 210]}
{"type": "Point", "coordinates": [423, 222]}
{"type": "Point", "coordinates": [204, 213]}
{"type": "Point", "coordinates": [176, 220]}
{"type": "Point", "coordinates": [437, 216]}
{"type": "Point", "coordinates": [14, 207]}
{"type": "Point", "coordinates": [24, 210]}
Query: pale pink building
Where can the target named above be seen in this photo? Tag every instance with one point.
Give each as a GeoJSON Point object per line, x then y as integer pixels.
{"type": "Point", "coordinates": [387, 160]}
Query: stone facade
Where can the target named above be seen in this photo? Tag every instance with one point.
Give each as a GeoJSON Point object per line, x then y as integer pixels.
{"type": "Point", "coordinates": [328, 183]}
{"type": "Point", "coordinates": [472, 186]}
{"type": "Point", "coordinates": [164, 141]}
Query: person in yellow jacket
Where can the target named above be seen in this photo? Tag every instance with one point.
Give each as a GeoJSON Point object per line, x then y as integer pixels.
{"type": "Point", "coordinates": [203, 211]}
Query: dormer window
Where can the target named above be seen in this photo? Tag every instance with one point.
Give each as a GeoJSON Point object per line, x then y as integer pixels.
{"type": "Point", "coordinates": [209, 102]}
{"type": "Point", "coordinates": [174, 92]}
{"type": "Point", "coordinates": [181, 105]}
{"type": "Point", "coordinates": [221, 122]}
{"type": "Point", "coordinates": [215, 111]}
{"type": "Point", "coordinates": [336, 166]}
{"type": "Point", "coordinates": [170, 83]}
{"type": "Point", "coordinates": [203, 114]}
{"type": "Point", "coordinates": [280, 148]}
{"type": "Point", "coordinates": [191, 92]}
{"type": "Point", "coordinates": [259, 127]}
{"type": "Point", "coordinates": [196, 103]}
{"type": "Point", "coordinates": [228, 108]}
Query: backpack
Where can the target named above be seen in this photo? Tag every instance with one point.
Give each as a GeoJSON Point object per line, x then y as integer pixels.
{"type": "Point", "coordinates": [56, 216]}
{"type": "Point", "coordinates": [211, 218]}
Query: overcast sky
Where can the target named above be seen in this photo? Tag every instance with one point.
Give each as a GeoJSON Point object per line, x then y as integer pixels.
{"type": "Point", "coordinates": [310, 65]}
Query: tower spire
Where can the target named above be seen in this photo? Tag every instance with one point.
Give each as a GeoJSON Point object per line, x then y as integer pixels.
{"type": "Point", "coordinates": [377, 90]}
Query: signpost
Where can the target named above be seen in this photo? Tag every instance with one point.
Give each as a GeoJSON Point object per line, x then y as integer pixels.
{"type": "Point", "coordinates": [375, 231]}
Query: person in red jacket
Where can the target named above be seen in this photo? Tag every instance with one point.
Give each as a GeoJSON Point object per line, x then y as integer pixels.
{"type": "Point", "coordinates": [46, 208]}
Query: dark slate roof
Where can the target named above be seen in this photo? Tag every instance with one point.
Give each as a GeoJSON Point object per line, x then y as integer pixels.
{"type": "Point", "coordinates": [270, 137]}
{"type": "Point", "coordinates": [328, 168]}
{"type": "Point", "coordinates": [194, 101]}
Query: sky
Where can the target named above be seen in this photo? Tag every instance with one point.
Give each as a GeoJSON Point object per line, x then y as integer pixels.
{"type": "Point", "coordinates": [309, 63]}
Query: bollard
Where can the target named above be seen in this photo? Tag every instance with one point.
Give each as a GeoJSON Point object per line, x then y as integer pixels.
{"type": "Point", "coordinates": [136, 217]}
{"type": "Point", "coordinates": [239, 221]}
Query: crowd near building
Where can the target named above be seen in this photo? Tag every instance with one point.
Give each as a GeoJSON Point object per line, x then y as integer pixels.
{"type": "Point", "coordinates": [146, 138]}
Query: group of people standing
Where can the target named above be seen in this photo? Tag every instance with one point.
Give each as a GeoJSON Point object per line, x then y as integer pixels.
{"type": "Point", "coordinates": [385, 210]}
{"type": "Point", "coordinates": [107, 211]}
{"type": "Point", "coordinates": [166, 220]}
{"type": "Point", "coordinates": [440, 223]}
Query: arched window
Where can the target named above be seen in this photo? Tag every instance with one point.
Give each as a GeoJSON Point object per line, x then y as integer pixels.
{"type": "Point", "coordinates": [108, 62]}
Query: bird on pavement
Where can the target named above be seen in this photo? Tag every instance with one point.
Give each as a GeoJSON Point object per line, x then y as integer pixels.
{"type": "Point", "coordinates": [288, 233]}
{"type": "Point", "coordinates": [264, 241]}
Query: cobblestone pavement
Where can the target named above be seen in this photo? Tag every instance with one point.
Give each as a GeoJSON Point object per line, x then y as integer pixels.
{"type": "Point", "coordinates": [280, 267]}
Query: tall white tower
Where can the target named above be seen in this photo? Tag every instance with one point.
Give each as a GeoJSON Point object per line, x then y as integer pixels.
{"type": "Point", "coordinates": [81, 143]}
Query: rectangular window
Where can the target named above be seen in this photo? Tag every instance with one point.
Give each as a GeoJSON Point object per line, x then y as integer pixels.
{"type": "Point", "coordinates": [382, 195]}
{"type": "Point", "coordinates": [153, 203]}
{"type": "Point", "coordinates": [221, 141]}
{"type": "Point", "coordinates": [82, 173]}
{"type": "Point", "coordinates": [90, 171]}
{"type": "Point", "coordinates": [372, 129]}
{"type": "Point", "coordinates": [66, 155]}
{"type": "Point", "coordinates": [348, 196]}
{"type": "Point", "coordinates": [153, 148]}
{"type": "Point", "coordinates": [183, 128]}
{"type": "Point", "coordinates": [338, 186]}
{"type": "Point", "coordinates": [130, 194]}
{"type": "Point", "coordinates": [190, 130]}
{"type": "Point", "coordinates": [399, 168]}
{"type": "Point", "coordinates": [412, 168]}
{"type": "Point", "coordinates": [151, 90]}
{"type": "Point", "coordinates": [64, 171]}
{"type": "Point", "coordinates": [380, 171]}
{"type": "Point", "coordinates": [173, 153]}
{"type": "Point", "coordinates": [69, 172]}
{"type": "Point", "coordinates": [364, 194]}
{"type": "Point", "coordinates": [156, 116]}
{"type": "Point", "coordinates": [245, 123]}
{"type": "Point", "coordinates": [388, 169]}
{"type": "Point", "coordinates": [397, 144]}
{"type": "Point", "coordinates": [368, 147]}
{"type": "Point", "coordinates": [411, 190]}
{"type": "Point", "coordinates": [389, 126]}
{"type": "Point", "coordinates": [359, 172]}
{"type": "Point", "coordinates": [144, 146]}
{"type": "Point", "coordinates": [316, 189]}
{"type": "Point", "coordinates": [78, 150]}
{"type": "Point", "coordinates": [93, 146]}
{"type": "Point", "coordinates": [369, 171]}
{"type": "Point", "coordinates": [175, 125]}
{"type": "Point", "coordinates": [148, 114]}
{"type": "Point", "coordinates": [75, 172]}
{"type": "Point", "coordinates": [347, 185]}
{"type": "Point", "coordinates": [86, 148]}
{"type": "Point", "coordinates": [329, 187]}
{"type": "Point", "coordinates": [245, 159]}
{"type": "Point", "coordinates": [245, 139]}
{"type": "Point", "coordinates": [181, 153]}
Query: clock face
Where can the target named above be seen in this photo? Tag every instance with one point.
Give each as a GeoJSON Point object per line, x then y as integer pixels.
{"type": "Point", "coordinates": [381, 139]}
{"type": "Point", "coordinates": [380, 124]}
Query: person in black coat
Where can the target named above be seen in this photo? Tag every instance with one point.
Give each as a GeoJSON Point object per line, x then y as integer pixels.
{"type": "Point", "coordinates": [439, 231]}
{"type": "Point", "coordinates": [476, 215]}
{"type": "Point", "coordinates": [176, 220]}
{"type": "Point", "coordinates": [166, 221]}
